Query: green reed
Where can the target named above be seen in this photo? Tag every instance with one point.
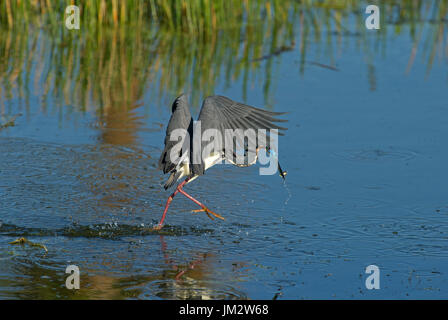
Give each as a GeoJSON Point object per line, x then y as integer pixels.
{"type": "Point", "coordinates": [112, 64]}
{"type": "Point", "coordinates": [125, 49]}
{"type": "Point", "coordinates": [200, 16]}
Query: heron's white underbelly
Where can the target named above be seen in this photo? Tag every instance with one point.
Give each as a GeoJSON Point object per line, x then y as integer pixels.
{"type": "Point", "coordinates": [212, 160]}
{"type": "Point", "coordinates": [209, 162]}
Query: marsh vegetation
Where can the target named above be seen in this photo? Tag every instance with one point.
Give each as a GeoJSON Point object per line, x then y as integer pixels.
{"type": "Point", "coordinates": [82, 120]}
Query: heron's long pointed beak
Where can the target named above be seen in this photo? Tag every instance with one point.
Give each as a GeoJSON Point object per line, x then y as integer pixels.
{"type": "Point", "coordinates": [281, 172]}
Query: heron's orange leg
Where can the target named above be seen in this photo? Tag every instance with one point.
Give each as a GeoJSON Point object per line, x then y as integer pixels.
{"type": "Point", "coordinates": [204, 208]}
{"type": "Point", "coordinates": [170, 198]}
{"type": "Point", "coordinates": [208, 212]}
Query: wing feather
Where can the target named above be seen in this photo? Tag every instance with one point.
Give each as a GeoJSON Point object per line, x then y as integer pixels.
{"type": "Point", "coordinates": [180, 119]}
{"type": "Point", "coordinates": [219, 112]}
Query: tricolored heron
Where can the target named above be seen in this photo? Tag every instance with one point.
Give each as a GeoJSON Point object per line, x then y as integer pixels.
{"type": "Point", "coordinates": [219, 113]}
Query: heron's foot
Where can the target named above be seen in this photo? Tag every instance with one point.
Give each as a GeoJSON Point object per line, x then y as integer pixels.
{"type": "Point", "coordinates": [158, 227]}
{"type": "Point", "coordinates": [23, 241]}
{"type": "Point", "coordinates": [209, 213]}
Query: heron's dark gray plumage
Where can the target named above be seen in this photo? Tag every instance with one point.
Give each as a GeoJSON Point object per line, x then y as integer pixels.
{"type": "Point", "coordinates": [221, 113]}
{"type": "Point", "coordinates": [225, 116]}
{"type": "Point", "coordinates": [180, 119]}
{"type": "Point", "coordinates": [217, 112]}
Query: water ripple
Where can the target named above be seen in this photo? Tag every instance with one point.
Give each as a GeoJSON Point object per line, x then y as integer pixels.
{"type": "Point", "coordinates": [391, 153]}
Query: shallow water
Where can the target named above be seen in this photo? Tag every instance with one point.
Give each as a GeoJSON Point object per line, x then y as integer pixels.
{"type": "Point", "coordinates": [366, 158]}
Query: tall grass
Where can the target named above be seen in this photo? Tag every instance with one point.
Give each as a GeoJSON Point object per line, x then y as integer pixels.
{"type": "Point", "coordinates": [200, 16]}
{"type": "Point", "coordinates": [162, 47]}
{"type": "Point", "coordinates": [120, 49]}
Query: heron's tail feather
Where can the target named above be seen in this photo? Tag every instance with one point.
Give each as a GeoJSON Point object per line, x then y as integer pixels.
{"type": "Point", "coordinates": [172, 179]}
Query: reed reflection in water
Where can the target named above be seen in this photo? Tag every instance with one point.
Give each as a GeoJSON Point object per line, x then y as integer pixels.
{"type": "Point", "coordinates": [103, 67]}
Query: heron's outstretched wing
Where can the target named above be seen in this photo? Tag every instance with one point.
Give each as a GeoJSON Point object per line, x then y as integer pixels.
{"type": "Point", "coordinates": [222, 113]}
{"type": "Point", "coordinates": [180, 119]}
